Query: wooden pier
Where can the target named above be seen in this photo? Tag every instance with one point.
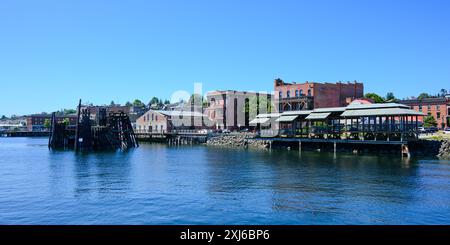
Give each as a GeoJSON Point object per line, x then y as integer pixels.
{"type": "Point", "coordinates": [109, 131]}
{"type": "Point", "coordinates": [173, 137]}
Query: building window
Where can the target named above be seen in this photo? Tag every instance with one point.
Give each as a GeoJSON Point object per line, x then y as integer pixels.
{"type": "Point", "coordinates": [301, 92]}
{"type": "Point", "coordinates": [309, 92]}
{"type": "Point", "coordinates": [153, 117]}
{"type": "Point", "coordinates": [429, 107]}
{"type": "Point", "coordinates": [288, 94]}
{"type": "Point", "coordinates": [280, 94]}
{"type": "Point", "coordinates": [438, 115]}
{"type": "Point", "coordinates": [296, 93]}
{"type": "Point", "coordinates": [156, 118]}
{"type": "Point", "coordinates": [420, 107]}
{"type": "Point", "coordinates": [438, 107]}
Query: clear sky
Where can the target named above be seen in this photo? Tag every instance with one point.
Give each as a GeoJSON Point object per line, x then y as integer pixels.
{"type": "Point", "coordinates": [54, 52]}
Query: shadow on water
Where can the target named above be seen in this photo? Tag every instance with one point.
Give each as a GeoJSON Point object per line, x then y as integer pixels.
{"type": "Point", "coordinates": [101, 174]}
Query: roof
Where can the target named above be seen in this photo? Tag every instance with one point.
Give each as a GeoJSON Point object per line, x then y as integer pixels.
{"type": "Point", "coordinates": [286, 118]}
{"type": "Point", "coordinates": [375, 106]}
{"type": "Point", "coordinates": [181, 113]}
{"type": "Point", "coordinates": [259, 121]}
{"type": "Point", "coordinates": [381, 112]}
{"type": "Point", "coordinates": [318, 116]}
{"type": "Point", "coordinates": [268, 115]}
{"type": "Point", "coordinates": [330, 109]}
{"type": "Point", "coordinates": [298, 113]}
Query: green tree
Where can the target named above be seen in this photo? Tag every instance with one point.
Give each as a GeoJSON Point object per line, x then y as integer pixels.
{"type": "Point", "coordinates": [128, 103]}
{"type": "Point", "coordinates": [47, 123]}
{"type": "Point", "coordinates": [443, 92]}
{"type": "Point", "coordinates": [198, 99]}
{"type": "Point", "coordinates": [154, 101]}
{"type": "Point", "coordinates": [390, 97]}
{"type": "Point", "coordinates": [4, 117]}
{"type": "Point", "coordinates": [429, 121]}
{"type": "Point", "coordinates": [265, 106]}
{"type": "Point", "coordinates": [137, 102]}
{"type": "Point", "coordinates": [66, 121]}
{"type": "Point", "coordinates": [166, 102]}
{"type": "Point", "coordinates": [423, 96]}
{"type": "Point", "coordinates": [112, 103]}
{"type": "Point", "coordinates": [375, 97]}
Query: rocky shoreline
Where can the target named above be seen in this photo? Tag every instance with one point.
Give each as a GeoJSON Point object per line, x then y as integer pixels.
{"type": "Point", "coordinates": [245, 140]}
{"type": "Point", "coordinates": [427, 148]}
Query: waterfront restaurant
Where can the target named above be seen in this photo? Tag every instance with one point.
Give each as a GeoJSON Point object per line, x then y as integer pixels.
{"type": "Point", "coordinates": [388, 122]}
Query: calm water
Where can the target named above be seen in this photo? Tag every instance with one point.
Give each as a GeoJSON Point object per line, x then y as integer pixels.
{"type": "Point", "coordinates": [157, 184]}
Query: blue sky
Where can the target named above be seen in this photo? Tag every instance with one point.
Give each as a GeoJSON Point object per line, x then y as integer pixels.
{"type": "Point", "coordinates": [54, 52]}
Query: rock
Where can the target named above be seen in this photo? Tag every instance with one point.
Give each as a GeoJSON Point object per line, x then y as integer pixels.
{"type": "Point", "coordinates": [444, 151]}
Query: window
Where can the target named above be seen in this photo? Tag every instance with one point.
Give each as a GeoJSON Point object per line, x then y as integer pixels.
{"type": "Point", "coordinates": [420, 107]}
{"type": "Point", "coordinates": [438, 115]}
{"type": "Point", "coordinates": [438, 107]}
{"type": "Point", "coordinates": [153, 117]}
{"type": "Point", "coordinates": [429, 108]}
{"type": "Point", "coordinates": [301, 92]}
{"type": "Point", "coordinates": [309, 92]}
{"type": "Point", "coordinates": [288, 94]}
{"type": "Point", "coordinates": [296, 93]}
{"type": "Point", "coordinates": [280, 94]}
{"type": "Point", "coordinates": [156, 118]}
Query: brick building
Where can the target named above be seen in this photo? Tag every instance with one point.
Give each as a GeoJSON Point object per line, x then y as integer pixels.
{"type": "Point", "coordinates": [157, 121]}
{"type": "Point", "coordinates": [313, 95]}
{"type": "Point", "coordinates": [438, 107]}
{"type": "Point", "coordinates": [36, 122]}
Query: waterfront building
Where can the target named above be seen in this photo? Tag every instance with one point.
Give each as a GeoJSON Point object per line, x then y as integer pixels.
{"type": "Point", "coordinates": [234, 110]}
{"type": "Point", "coordinates": [438, 107]}
{"type": "Point", "coordinates": [388, 121]}
{"type": "Point", "coordinates": [36, 122]}
{"type": "Point", "coordinates": [158, 121]}
{"type": "Point", "coordinates": [312, 95]}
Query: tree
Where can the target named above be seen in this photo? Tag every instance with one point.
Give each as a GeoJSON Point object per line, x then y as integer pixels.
{"type": "Point", "coordinates": [265, 106]}
{"type": "Point", "coordinates": [166, 102]}
{"type": "Point", "coordinates": [429, 121]}
{"type": "Point", "coordinates": [112, 103]}
{"type": "Point", "coordinates": [390, 97]}
{"type": "Point", "coordinates": [423, 96]}
{"type": "Point", "coordinates": [128, 103]}
{"type": "Point", "coordinates": [154, 101]}
{"type": "Point", "coordinates": [66, 121]}
{"type": "Point", "coordinates": [4, 117]}
{"type": "Point", "coordinates": [47, 123]}
{"type": "Point", "coordinates": [443, 92]}
{"type": "Point", "coordinates": [375, 97]}
{"type": "Point", "coordinates": [138, 103]}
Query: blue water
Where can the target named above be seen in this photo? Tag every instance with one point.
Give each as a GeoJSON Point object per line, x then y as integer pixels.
{"type": "Point", "coordinates": [157, 184]}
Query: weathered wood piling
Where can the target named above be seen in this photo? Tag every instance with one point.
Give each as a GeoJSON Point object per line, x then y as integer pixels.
{"type": "Point", "coordinates": [111, 131]}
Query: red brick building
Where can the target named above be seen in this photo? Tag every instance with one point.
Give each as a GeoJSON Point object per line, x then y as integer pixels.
{"type": "Point", "coordinates": [439, 108]}
{"type": "Point", "coordinates": [313, 95]}
{"type": "Point", "coordinates": [36, 122]}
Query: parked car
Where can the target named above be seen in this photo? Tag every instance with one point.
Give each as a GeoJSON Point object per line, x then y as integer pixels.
{"type": "Point", "coordinates": [447, 131]}
{"type": "Point", "coordinates": [422, 130]}
{"type": "Point", "coordinates": [245, 130]}
{"type": "Point", "coordinates": [432, 129]}
{"type": "Point", "coordinates": [226, 131]}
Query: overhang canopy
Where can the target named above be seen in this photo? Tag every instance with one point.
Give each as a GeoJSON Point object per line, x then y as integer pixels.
{"type": "Point", "coordinates": [381, 112]}
{"type": "Point", "coordinates": [259, 121]}
{"type": "Point", "coordinates": [286, 118]}
{"type": "Point", "coordinates": [318, 116]}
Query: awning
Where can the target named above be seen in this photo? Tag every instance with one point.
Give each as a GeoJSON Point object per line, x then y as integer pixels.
{"type": "Point", "coordinates": [381, 112]}
{"type": "Point", "coordinates": [318, 116]}
{"type": "Point", "coordinates": [286, 118]}
{"type": "Point", "coordinates": [259, 121]}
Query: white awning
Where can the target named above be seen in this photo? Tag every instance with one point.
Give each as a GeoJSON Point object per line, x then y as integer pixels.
{"type": "Point", "coordinates": [259, 121]}
{"type": "Point", "coordinates": [318, 116]}
{"type": "Point", "coordinates": [286, 118]}
{"type": "Point", "coordinates": [381, 112]}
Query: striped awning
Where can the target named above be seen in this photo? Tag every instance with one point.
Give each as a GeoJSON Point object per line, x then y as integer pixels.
{"type": "Point", "coordinates": [286, 118]}
{"type": "Point", "coordinates": [318, 116]}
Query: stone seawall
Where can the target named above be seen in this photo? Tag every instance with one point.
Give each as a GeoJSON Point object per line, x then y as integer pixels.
{"type": "Point", "coordinates": [238, 140]}
{"type": "Point", "coordinates": [444, 151]}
